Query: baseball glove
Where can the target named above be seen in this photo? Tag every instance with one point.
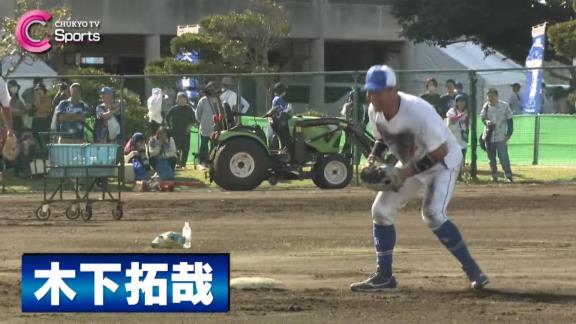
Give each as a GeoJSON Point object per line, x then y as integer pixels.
{"type": "Point", "coordinates": [381, 177]}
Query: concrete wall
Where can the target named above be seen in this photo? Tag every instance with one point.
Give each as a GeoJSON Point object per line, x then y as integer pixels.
{"type": "Point", "coordinates": [344, 20]}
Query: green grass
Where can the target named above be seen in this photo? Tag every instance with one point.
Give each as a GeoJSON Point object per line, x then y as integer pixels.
{"type": "Point", "coordinates": [522, 174]}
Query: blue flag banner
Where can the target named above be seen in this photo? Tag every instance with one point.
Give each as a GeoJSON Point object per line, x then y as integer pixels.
{"type": "Point", "coordinates": [125, 282]}
{"type": "Point", "coordinates": [532, 91]}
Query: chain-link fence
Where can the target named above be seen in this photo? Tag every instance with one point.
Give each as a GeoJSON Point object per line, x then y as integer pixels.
{"type": "Point", "coordinates": [543, 139]}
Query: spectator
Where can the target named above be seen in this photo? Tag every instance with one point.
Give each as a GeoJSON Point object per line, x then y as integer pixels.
{"type": "Point", "coordinates": [42, 107]}
{"type": "Point", "coordinates": [70, 116]}
{"type": "Point", "coordinates": [135, 153]}
{"type": "Point", "coordinates": [279, 107]}
{"type": "Point", "coordinates": [460, 91]}
{"type": "Point", "coordinates": [180, 119]}
{"type": "Point", "coordinates": [107, 128]}
{"type": "Point", "coordinates": [162, 154]}
{"type": "Point", "coordinates": [62, 94]}
{"type": "Point", "coordinates": [431, 95]}
{"type": "Point", "coordinates": [497, 117]}
{"type": "Point", "coordinates": [457, 120]}
{"type": "Point", "coordinates": [231, 98]}
{"type": "Point", "coordinates": [155, 109]}
{"type": "Point", "coordinates": [515, 100]}
{"type": "Point", "coordinates": [447, 100]}
{"type": "Point", "coordinates": [29, 94]}
{"type": "Point", "coordinates": [19, 109]}
{"type": "Point", "coordinates": [208, 107]}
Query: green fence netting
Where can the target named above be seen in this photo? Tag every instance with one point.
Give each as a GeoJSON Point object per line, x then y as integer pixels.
{"type": "Point", "coordinates": [552, 142]}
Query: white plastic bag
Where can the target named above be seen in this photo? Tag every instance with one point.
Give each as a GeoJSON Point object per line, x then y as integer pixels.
{"type": "Point", "coordinates": [154, 104]}
{"type": "Point", "coordinates": [113, 128]}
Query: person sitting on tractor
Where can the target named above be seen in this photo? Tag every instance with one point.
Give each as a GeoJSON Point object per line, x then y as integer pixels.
{"type": "Point", "coordinates": [278, 118]}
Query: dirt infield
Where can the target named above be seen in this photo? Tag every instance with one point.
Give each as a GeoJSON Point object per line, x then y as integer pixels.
{"type": "Point", "coordinates": [318, 242]}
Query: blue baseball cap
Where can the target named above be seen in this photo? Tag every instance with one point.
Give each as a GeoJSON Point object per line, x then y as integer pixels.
{"type": "Point", "coordinates": [106, 90]}
{"type": "Point", "coordinates": [380, 77]}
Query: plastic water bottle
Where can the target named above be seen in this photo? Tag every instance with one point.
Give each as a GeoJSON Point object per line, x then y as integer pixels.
{"type": "Point", "coordinates": [187, 233]}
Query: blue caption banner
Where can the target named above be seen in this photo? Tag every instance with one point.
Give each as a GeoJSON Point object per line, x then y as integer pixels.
{"type": "Point", "coordinates": [125, 282]}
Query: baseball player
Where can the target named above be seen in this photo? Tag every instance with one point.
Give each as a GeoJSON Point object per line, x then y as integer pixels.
{"type": "Point", "coordinates": [429, 158]}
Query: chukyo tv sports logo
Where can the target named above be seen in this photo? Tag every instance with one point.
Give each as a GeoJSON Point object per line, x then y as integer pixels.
{"type": "Point", "coordinates": [66, 31]}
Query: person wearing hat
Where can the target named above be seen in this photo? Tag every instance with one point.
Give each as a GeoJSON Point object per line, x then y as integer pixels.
{"type": "Point", "coordinates": [42, 107]}
{"type": "Point", "coordinates": [180, 119]}
{"type": "Point", "coordinates": [70, 116]}
{"type": "Point", "coordinates": [431, 95]}
{"type": "Point", "coordinates": [207, 107]}
{"type": "Point", "coordinates": [280, 106]}
{"type": "Point", "coordinates": [19, 109]}
{"type": "Point", "coordinates": [429, 158]}
{"type": "Point", "coordinates": [457, 120]}
{"type": "Point", "coordinates": [515, 100]}
{"type": "Point", "coordinates": [107, 128]}
{"type": "Point", "coordinates": [228, 96]}
{"type": "Point", "coordinates": [497, 118]}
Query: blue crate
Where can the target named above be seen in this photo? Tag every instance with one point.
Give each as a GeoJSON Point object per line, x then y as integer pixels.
{"type": "Point", "coordinates": [62, 155]}
{"type": "Point", "coordinates": [101, 154]}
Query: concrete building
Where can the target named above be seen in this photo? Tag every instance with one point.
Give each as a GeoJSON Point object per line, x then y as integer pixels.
{"type": "Point", "coordinates": [327, 35]}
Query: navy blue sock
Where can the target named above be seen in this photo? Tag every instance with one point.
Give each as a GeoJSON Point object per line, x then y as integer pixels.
{"type": "Point", "coordinates": [450, 236]}
{"type": "Point", "coordinates": [384, 241]}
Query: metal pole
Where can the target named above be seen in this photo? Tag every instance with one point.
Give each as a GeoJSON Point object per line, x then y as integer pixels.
{"type": "Point", "coordinates": [121, 175]}
{"type": "Point", "coordinates": [536, 139]}
{"type": "Point", "coordinates": [473, 117]}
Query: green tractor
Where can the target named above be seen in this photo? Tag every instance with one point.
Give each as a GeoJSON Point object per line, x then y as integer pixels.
{"type": "Point", "coordinates": [310, 148]}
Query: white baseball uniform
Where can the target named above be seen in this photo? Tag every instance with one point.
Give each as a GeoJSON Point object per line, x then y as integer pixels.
{"type": "Point", "coordinates": [412, 133]}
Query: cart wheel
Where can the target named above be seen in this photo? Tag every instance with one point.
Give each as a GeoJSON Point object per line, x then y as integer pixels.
{"type": "Point", "coordinates": [87, 213]}
{"type": "Point", "coordinates": [73, 211]}
{"type": "Point", "coordinates": [118, 212]}
{"type": "Point", "coordinates": [43, 212]}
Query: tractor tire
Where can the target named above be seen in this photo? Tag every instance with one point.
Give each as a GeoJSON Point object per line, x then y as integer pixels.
{"type": "Point", "coordinates": [240, 164]}
{"type": "Point", "coordinates": [332, 172]}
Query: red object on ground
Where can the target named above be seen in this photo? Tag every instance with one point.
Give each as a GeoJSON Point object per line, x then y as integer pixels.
{"type": "Point", "coordinates": [170, 185]}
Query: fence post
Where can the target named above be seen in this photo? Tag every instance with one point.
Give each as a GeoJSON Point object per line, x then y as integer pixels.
{"type": "Point", "coordinates": [473, 125]}
{"type": "Point", "coordinates": [536, 139]}
{"type": "Point", "coordinates": [356, 120]}
{"type": "Point", "coordinates": [121, 175]}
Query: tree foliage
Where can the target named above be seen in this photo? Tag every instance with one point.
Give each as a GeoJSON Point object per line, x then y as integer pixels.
{"type": "Point", "coordinates": [230, 42]}
{"type": "Point", "coordinates": [9, 45]}
{"type": "Point", "coordinates": [562, 36]}
{"type": "Point", "coordinates": [501, 25]}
